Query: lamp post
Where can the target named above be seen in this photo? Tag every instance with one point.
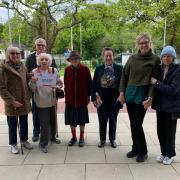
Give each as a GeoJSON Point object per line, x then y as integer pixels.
{"type": "Point", "coordinates": [164, 38]}
{"type": "Point", "coordinates": [9, 22]}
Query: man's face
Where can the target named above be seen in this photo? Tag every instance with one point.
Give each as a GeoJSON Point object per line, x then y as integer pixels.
{"type": "Point", "coordinates": [108, 57]}
{"type": "Point", "coordinates": [40, 47]}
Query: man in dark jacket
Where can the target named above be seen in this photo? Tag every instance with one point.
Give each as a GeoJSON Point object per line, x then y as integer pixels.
{"type": "Point", "coordinates": [40, 47]}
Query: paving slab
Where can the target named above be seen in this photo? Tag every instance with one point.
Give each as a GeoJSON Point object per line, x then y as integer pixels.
{"type": "Point", "coordinates": [153, 172]}
{"type": "Point", "coordinates": [108, 172]}
{"type": "Point", "coordinates": [22, 172]}
{"type": "Point", "coordinates": [55, 155]}
{"type": "Point", "coordinates": [87, 154]}
{"type": "Point", "coordinates": [63, 172]}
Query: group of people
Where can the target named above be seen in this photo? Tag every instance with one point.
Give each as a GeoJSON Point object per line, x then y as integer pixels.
{"type": "Point", "coordinates": [145, 80]}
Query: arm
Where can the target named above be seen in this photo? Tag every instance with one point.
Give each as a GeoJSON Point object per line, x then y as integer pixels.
{"type": "Point", "coordinates": [94, 85]}
{"type": "Point", "coordinates": [89, 82]}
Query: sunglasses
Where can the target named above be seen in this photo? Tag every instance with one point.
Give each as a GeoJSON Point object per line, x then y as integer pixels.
{"type": "Point", "coordinates": [15, 53]}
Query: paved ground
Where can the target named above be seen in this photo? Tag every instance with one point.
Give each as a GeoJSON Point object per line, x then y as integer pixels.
{"type": "Point", "coordinates": [90, 162]}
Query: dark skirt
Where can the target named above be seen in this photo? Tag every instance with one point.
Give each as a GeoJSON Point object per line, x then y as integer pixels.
{"type": "Point", "coordinates": [76, 116]}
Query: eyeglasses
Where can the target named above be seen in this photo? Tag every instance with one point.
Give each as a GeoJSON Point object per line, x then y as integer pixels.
{"type": "Point", "coordinates": [144, 42]}
{"type": "Point", "coordinates": [15, 53]}
{"type": "Point", "coordinates": [41, 45]}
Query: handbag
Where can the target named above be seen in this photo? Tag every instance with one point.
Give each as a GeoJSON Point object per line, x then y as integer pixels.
{"type": "Point", "coordinates": [59, 93]}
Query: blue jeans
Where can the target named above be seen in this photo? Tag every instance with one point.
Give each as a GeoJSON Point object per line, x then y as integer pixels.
{"type": "Point", "coordinates": [12, 124]}
{"type": "Point", "coordinates": [36, 122]}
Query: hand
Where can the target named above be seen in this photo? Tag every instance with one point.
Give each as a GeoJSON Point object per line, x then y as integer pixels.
{"type": "Point", "coordinates": [33, 79]}
{"type": "Point", "coordinates": [153, 80]}
{"type": "Point", "coordinates": [17, 104]}
{"type": "Point", "coordinates": [121, 98]}
{"type": "Point", "coordinates": [147, 103]}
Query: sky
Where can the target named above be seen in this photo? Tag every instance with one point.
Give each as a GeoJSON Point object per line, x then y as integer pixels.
{"type": "Point", "coordinates": [4, 15]}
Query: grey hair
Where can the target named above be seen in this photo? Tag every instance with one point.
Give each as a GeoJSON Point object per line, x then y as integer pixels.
{"type": "Point", "coordinates": [40, 40]}
{"type": "Point", "coordinates": [44, 55]}
{"type": "Point", "coordinates": [9, 50]}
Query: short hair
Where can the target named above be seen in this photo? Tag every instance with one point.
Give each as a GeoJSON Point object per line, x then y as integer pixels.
{"type": "Point", "coordinates": [107, 49]}
{"type": "Point", "coordinates": [9, 50]}
{"type": "Point", "coordinates": [44, 55]}
{"type": "Point", "coordinates": [40, 40]}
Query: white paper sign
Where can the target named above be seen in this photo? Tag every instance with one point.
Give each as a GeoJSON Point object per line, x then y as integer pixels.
{"type": "Point", "coordinates": [46, 79]}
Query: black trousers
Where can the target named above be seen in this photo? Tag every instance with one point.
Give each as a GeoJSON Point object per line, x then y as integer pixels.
{"type": "Point", "coordinates": [166, 130]}
{"type": "Point", "coordinates": [104, 115]}
{"type": "Point", "coordinates": [136, 114]}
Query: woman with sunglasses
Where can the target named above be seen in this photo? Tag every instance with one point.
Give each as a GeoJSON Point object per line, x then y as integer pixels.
{"type": "Point", "coordinates": [15, 93]}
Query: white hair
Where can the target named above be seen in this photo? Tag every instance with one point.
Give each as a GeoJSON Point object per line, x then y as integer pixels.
{"type": "Point", "coordinates": [44, 55]}
{"type": "Point", "coordinates": [41, 41]}
{"type": "Point", "coordinates": [11, 49]}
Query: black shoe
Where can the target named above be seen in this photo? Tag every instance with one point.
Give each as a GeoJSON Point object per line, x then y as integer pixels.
{"type": "Point", "coordinates": [35, 138]}
{"type": "Point", "coordinates": [81, 143]}
{"type": "Point", "coordinates": [113, 144]}
{"type": "Point", "coordinates": [141, 158]}
{"type": "Point", "coordinates": [72, 142]}
{"type": "Point", "coordinates": [55, 141]}
{"type": "Point", "coordinates": [101, 144]}
{"type": "Point", "coordinates": [131, 154]}
{"type": "Point", "coordinates": [43, 148]}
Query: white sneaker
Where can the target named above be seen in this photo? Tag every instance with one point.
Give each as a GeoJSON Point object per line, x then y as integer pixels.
{"type": "Point", "coordinates": [14, 149]}
{"type": "Point", "coordinates": [27, 145]}
{"type": "Point", "coordinates": [160, 158]}
{"type": "Point", "coordinates": [167, 160]}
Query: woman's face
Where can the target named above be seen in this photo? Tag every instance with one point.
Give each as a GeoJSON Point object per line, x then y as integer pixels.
{"type": "Point", "coordinates": [108, 57]}
{"type": "Point", "coordinates": [167, 60]}
{"type": "Point", "coordinates": [44, 63]}
{"type": "Point", "coordinates": [74, 62]}
{"type": "Point", "coordinates": [144, 45]}
{"type": "Point", "coordinates": [15, 56]}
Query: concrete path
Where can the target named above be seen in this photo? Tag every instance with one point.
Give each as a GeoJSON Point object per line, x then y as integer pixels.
{"type": "Point", "coordinates": [90, 162]}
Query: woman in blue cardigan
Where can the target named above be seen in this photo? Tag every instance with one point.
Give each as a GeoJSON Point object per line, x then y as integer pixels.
{"type": "Point", "coordinates": [167, 103]}
{"type": "Point", "coordinates": [105, 94]}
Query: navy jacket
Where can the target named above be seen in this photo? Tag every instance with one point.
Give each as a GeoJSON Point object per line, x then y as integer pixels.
{"type": "Point", "coordinates": [99, 71]}
{"type": "Point", "coordinates": [167, 91]}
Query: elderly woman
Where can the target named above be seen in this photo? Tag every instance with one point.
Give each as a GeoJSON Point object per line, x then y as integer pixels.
{"type": "Point", "coordinates": [136, 91]}
{"type": "Point", "coordinates": [77, 82]}
{"type": "Point", "coordinates": [105, 94]}
{"type": "Point", "coordinates": [14, 91]}
{"type": "Point", "coordinates": [167, 103]}
{"type": "Point", "coordinates": [43, 83]}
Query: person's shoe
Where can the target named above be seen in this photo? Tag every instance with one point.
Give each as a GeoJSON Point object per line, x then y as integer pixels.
{"type": "Point", "coordinates": [55, 141]}
{"type": "Point", "coordinates": [72, 142]}
{"type": "Point", "coordinates": [35, 138]}
{"type": "Point", "coordinates": [113, 144]}
{"type": "Point", "coordinates": [81, 143]}
{"type": "Point", "coordinates": [160, 158]}
{"type": "Point", "coordinates": [44, 148]}
{"type": "Point", "coordinates": [27, 145]}
{"type": "Point", "coordinates": [167, 160]}
{"type": "Point", "coordinates": [14, 149]}
{"type": "Point", "coordinates": [101, 144]}
{"type": "Point", "coordinates": [131, 154]}
{"type": "Point", "coordinates": [141, 158]}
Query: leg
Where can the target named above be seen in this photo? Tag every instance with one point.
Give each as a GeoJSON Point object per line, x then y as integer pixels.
{"type": "Point", "coordinates": [44, 117]}
{"type": "Point", "coordinates": [36, 122]}
{"type": "Point", "coordinates": [161, 131]}
{"type": "Point", "coordinates": [23, 122]}
{"type": "Point", "coordinates": [103, 118]}
{"type": "Point", "coordinates": [73, 140]}
{"type": "Point", "coordinates": [138, 129]}
{"type": "Point", "coordinates": [12, 126]}
{"type": "Point", "coordinates": [112, 125]}
{"type": "Point", "coordinates": [131, 111]}
{"type": "Point", "coordinates": [171, 132]}
{"type": "Point", "coordinates": [81, 139]}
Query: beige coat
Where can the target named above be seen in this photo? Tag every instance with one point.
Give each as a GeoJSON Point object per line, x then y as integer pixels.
{"type": "Point", "coordinates": [13, 86]}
